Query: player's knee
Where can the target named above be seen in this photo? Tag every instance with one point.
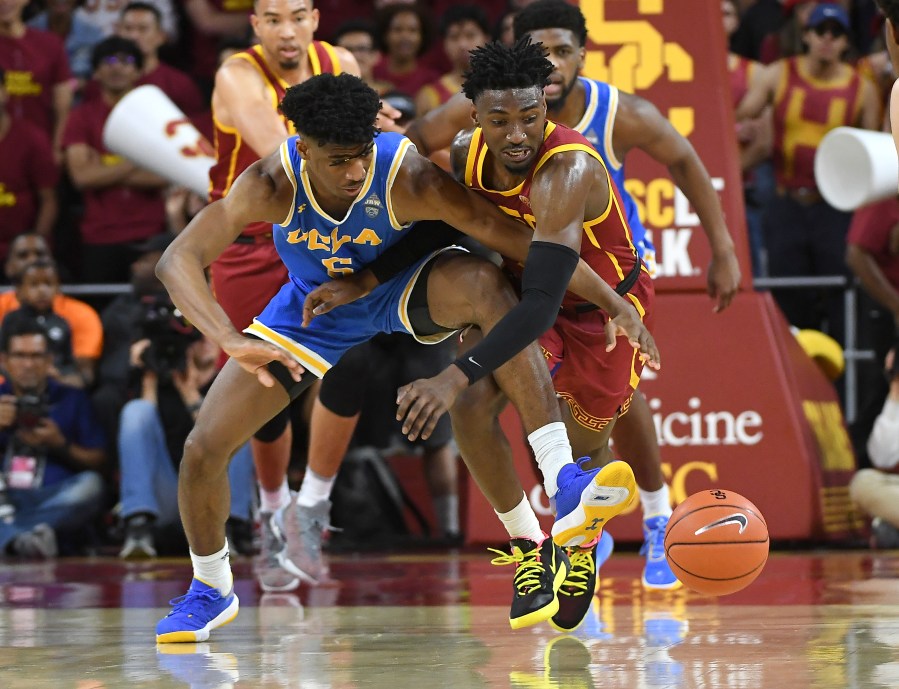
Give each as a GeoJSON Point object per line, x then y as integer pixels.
{"type": "Point", "coordinates": [205, 454]}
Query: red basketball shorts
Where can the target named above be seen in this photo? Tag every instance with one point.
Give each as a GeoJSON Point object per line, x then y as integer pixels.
{"type": "Point", "coordinates": [596, 384]}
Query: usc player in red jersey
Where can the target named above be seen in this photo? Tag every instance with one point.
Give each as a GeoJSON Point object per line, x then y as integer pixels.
{"type": "Point", "coordinates": [553, 179]}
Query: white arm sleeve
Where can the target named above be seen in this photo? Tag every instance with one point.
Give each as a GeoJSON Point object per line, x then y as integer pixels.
{"type": "Point", "coordinates": [883, 443]}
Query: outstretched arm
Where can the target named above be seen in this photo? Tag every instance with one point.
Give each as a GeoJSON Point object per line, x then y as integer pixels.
{"type": "Point", "coordinates": [262, 193]}
{"type": "Point", "coordinates": [639, 124]}
{"type": "Point", "coordinates": [426, 192]}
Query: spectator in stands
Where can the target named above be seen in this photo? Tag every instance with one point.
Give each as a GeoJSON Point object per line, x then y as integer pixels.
{"type": "Point", "coordinates": [810, 95]}
{"type": "Point", "coordinates": [787, 41]}
{"type": "Point", "coordinates": [360, 38]}
{"type": "Point", "coordinates": [504, 31]}
{"type": "Point", "coordinates": [876, 491]}
{"type": "Point", "coordinates": [212, 21]}
{"type": "Point", "coordinates": [69, 21]}
{"type": "Point", "coordinates": [36, 285]}
{"type": "Point", "coordinates": [404, 35]}
{"type": "Point", "coordinates": [760, 19]}
{"type": "Point", "coordinates": [141, 22]}
{"type": "Point", "coordinates": [122, 326]}
{"type": "Point", "coordinates": [123, 203]}
{"type": "Point", "coordinates": [87, 332]}
{"type": "Point", "coordinates": [105, 16]}
{"type": "Point", "coordinates": [28, 177]}
{"type": "Point", "coordinates": [38, 80]}
{"type": "Point", "coordinates": [52, 446]}
{"type": "Point", "coordinates": [464, 28]}
{"type": "Point", "coordinates": [755, 139]}
{"type": "Point", "coordinates": [152, 431]}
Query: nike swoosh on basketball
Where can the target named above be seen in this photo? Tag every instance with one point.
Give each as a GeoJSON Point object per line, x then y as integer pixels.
{"type": "Point", "coordinates": [736, 518]}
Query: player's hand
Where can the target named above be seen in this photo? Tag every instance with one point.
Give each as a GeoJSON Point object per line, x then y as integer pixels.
{"type": "Point", "coordinates": [724, 279]}
{"type": "Point", "coordinates": [421, 403]}
{"type": "Point", "coordinates": [627, 324]}
{"type": "Point", "coordinates": [254, 356]}
{"type": "Point", "coordinates": [330, 295]}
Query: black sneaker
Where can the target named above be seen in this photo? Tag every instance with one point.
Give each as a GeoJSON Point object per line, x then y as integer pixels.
{"type": "Point", "coordinates": [540, 569]}
{"type": "Point", "coordinates": [577, 590]}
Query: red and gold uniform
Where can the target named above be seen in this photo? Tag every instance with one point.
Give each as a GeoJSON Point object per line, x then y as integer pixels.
{"type": "Point", "coordinates": [35, 64]}
{"type": "Point", "coordinates": [596, 384]}
{"type": "Point", "coordinates": [250, 272]}
{"type": "Point", "coordinates": [805, 109]}
{"type": "Point", "coordinates": [26, 167]}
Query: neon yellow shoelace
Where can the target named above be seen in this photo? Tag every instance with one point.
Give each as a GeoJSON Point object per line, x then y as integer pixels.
{"type": "Point", "coordinates": [583, 565]}
{"type": "Point", "coordinates": [529, 567]}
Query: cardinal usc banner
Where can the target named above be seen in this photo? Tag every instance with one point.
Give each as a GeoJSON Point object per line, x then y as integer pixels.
{"type": "Point", "coordinates": [674, 55]}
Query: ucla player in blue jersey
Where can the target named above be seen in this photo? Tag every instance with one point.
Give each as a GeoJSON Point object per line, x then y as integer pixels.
{"type": "Point", "coordinates": [615, 123]}
{"type": "Point", "coordinates": [338, 195]}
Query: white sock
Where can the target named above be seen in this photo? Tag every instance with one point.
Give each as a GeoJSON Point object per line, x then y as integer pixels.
{"type": "Point", "coordinates": [214, 570]}
{"type": "Point", "coordinates": [314, 489]}
{"type": "Point", "coordinates": [655, 502]}
{"type": "Point", "coordinates": [274, 500]}
{"type": "Point", "coordinates": [446, 509]}
{"type": "Point", "coordinates": [553, 451]}
{"type": "Point", "coordinates": [521, 522]}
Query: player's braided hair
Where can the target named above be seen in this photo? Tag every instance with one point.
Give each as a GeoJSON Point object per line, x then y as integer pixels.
{"type": "Point", "coordinates": [333, 109]}
{"type": "Point", "coordinates": [495, 67]}
{"type": "Point", "coordinates": [891, 9]}
{"type": "Point", "coordinates": [553, 14]}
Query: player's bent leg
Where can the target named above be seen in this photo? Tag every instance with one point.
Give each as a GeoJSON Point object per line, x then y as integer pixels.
{"type": "Point", "coordinates": [635, 439]}
{"type": "Point", "coordinates": [237, 404]}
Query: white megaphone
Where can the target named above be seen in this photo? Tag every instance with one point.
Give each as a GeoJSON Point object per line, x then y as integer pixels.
{"type": "Point", "coordinates": [148, 129]}
{"type": "Point", "coordinates": [855, 167]}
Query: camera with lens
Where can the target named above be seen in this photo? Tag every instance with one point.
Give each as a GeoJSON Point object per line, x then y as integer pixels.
{"type": "Point", "coordinates": [170, 336]}
{"type": "Point", "coordinates": [30, 410]}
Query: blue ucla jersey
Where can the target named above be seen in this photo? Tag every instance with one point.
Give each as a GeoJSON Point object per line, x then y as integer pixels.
{"type": "Point", "coordinates": [316, 247]}
{"type": "Point", "coordinates": [596, 125]}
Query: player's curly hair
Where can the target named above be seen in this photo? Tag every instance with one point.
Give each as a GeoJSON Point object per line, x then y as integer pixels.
{"type": "Point", "coordinates": [890, 8]}
{"type": "Point", "coordinates": [551, 14]}
{"type": "Point", "coordinates": [333, 109]}
{"type": "Point", "coordinates": [495, 67]}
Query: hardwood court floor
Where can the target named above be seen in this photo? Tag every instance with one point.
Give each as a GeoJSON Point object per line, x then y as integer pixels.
{"type": "Point", "coordinates": [822, 620]}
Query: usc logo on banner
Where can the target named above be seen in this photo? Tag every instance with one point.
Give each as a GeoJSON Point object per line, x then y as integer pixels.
{"type": "Point", "coordinates": [643, 57]}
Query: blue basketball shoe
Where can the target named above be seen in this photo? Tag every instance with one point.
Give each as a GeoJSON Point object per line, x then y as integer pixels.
{"type": "Point", "coordinates": [582, 583]}
{"type": "Point", "coordinates": [587, 500]}
{"type": "Point", "coordinates": [196, 613]}
{"type": "Point", "coordinates": [657, 574]}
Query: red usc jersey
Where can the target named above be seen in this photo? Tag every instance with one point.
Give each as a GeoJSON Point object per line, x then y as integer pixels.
{"type": "Point", "coordinates": [606, 246]}
{"type": "Point", "coordinates": [232, 154]}
{"type": "Point", "coordinates": [805, 109]}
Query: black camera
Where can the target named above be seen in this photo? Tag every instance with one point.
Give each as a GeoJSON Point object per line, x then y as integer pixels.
{"type": "Point", "coordinates": [170, 336]}
{"type": "Point", "coordinates": [30, 410]}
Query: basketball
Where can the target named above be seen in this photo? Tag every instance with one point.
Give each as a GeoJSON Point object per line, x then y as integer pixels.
{"type": "Point", "coordinates": [716, 542]}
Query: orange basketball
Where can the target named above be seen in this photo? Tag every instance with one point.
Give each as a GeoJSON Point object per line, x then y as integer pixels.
{"type": "Point", "coordinates": [716, 542]}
